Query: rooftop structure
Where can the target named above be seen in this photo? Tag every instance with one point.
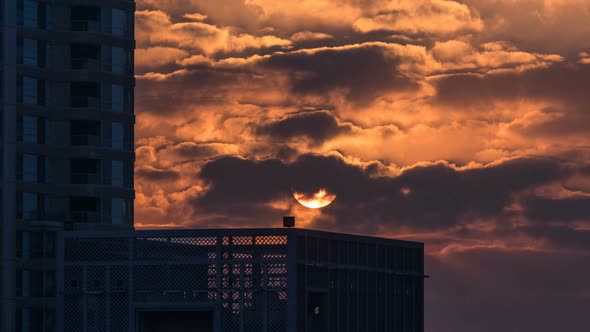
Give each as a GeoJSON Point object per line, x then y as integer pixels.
{"type": "Point", "coordinates": [221, 280]}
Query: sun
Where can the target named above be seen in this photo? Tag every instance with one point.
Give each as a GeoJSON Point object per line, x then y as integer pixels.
{"type": "Point", "coordinates": [317, 200]}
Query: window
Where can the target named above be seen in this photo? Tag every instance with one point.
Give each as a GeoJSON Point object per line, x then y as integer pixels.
{"type": "Point", "coordinates": [84, 132]}
{"type": "Point", "coordinates": [25, 284]}
{"type": "Point", "coordinates": [84, 209]}
{"type": "Point", "coordinates": [85, 171]}
{"type": "Point", "coordinates": [29, 129]}
{"type": "Point", "coordinates": [118, 22]}
{"type": "Point", "coordinates": [30, 90]}
{"type": "Point", "coordinates": [30, 52]}
{"type": "Point", "coordinates": [29, 206]}
{"type": "Point", "coordinates": [26, 244]}
{"type": "Point", "coordinates": [118, 211]}
{"type": "Point", "coordinates": [29, 168]}
{"type": "Point", "coordinates": [117, 135]}
{"type": "Point", "coordinates": [84, 94]}
{"type": "Point", "coordinates": [30, 13]}
{"type": "Point", "coordinates": [31, 244]}
{"type": "Point", "coordinates": [85, 56]}
{"type": "Point", "coordinates": [32, 168]}
{"type": "Point", "coordinates": [118, 60]}
{"type": "Point", "coordinates": [118, 98]}
{"type": "Point", "coordinates": [117, 173]}
{"type": "Point", "coordinates": [31, 283]}
{"type": "Point", "coordinates": [85, 18]}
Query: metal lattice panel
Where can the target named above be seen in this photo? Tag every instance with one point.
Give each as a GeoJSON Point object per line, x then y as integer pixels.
{"type": "Point", "coordinates": [109, 249]}
{"type": "Point", "coordinates": [265, 280]}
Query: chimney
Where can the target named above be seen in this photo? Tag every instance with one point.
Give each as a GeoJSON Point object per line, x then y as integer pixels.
{"type": "Point", "coordinates": [288, 221]}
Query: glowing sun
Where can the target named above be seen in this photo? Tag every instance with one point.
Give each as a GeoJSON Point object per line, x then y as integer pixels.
{"type": "Point", "coordinates": [317, 200]}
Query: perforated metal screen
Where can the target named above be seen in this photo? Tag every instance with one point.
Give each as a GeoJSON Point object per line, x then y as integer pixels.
{"type": "Point", "coordinates": [252, 280]}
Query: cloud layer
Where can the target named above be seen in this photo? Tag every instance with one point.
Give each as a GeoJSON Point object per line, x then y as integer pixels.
{"type": "Point", "coordinates": [463, 124]}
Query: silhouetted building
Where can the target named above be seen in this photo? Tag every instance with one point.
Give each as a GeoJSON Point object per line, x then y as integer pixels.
{"type": "Point", "coordinates": [66, 140]}
{"type": "Point", "coordinates": [255, 280]}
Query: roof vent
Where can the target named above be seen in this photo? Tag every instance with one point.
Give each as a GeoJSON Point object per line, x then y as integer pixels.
{"type": "Point", "coordinates": [288, 221]}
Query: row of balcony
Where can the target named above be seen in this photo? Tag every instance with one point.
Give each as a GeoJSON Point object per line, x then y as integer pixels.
{"type": "Point", "coordinates": [85, 18]}
{"type": "Point", "coordinates": [83, 140]}
{"type": "Point", "coordinates": [93, 217]}
{"type": "Point", "coordinates": [34, 169]}
{"type": "Point", "coordinates": [93, 102]}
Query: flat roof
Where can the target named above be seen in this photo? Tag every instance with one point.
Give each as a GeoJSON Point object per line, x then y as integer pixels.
{"type": "Point", "coordinates": [236, 232]}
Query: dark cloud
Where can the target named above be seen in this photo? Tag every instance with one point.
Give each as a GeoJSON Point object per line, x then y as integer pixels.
{"type": "Point", "coordinates": [564, 83]}
{"type": "Point", "coordinates": [363, 73]}
{"type": "Point", "coordinates": [560, 238]}
{"type": "Point", "coordinates": [206, 86]}
{"type": "Point", "coordinates": [316, 126]}
{"type": "Point", "coordinates": [190, 150]}
{"type": "Point", "coordinates": [439, 195]}
{"type": "Point", "coordinates": [564, 209]}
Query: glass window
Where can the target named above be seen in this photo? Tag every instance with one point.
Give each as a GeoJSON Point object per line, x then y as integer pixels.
{"type": "Point", "coordinates": [117, 135]}
{"type": "Point", "coordinates": [31, 244]}
{"type": "Point", "coordinates": [46, 162]}
{"type": "Point", "coordinates": [29, 129]}
{"type": "Point", "coordinates": [29, 168]}
{"type": "Point", "coordinates": [30, 52]}
{"type": "Point", "coordinates": [49, 244]}
{"type": "Point", "coordinates": [30, 13]}
{"type": "Point", "coordinates": [117, 173]}
{"type": "Point", "coordinates": [29, 90]}
{"type": "Point", "coordinates": [117, 98]}
{"type": "Point", "coordinates": [26, 286]}
{"type": "Point", "coordinates": [30, 319]}
{"type": "Point", "coordinates": [31, 283]}
{"type": "Point", "coordinates": [118, 22]}
{"type": "Point", "coordinates": [26, 244]}
{"type": "Point", "coordinates": [118, 60]}
{"type": "Point", "coordinates": [118, 211]}
{"type": "Point", "coordinates": [29, 206]}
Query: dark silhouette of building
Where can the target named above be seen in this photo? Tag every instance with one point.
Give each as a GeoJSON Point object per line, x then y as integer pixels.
{"type": "Point", "coordinates": [67, 140]}
{"type": "Point", "coordinates": [258, 280]}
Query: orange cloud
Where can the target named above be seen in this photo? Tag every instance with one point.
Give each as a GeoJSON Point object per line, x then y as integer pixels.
{"type": "Point", "coordinates": [155, 57]}
{"type": "Point", "coordinates": [155, 28]}
{"type": "Point", "coordinates": [438, 17]}
{"type": "Point", "coordinates": [308, 35]}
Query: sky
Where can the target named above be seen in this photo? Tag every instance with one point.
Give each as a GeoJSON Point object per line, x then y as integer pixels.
{"type": "Point", "coordinates": [462, 124]}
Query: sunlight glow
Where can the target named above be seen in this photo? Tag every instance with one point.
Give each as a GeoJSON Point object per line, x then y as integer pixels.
{"type": "Point", "coordinates": [317, 200]}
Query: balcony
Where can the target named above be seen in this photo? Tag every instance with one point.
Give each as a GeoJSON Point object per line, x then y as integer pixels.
{"type": "Point", "coordinates": [85, 140]}
{"type": "Point", "coordinates": [85, 216]}
{"type": "Point", "coordinates": [85, 178]}
{"type": "Point", "coordinates": [85, 171]}
{"type": "Point", "coordinates": [84, 209]}
{"type": "Point", "coordinates": [30, 215]}
{"type": "Point", "coordinates": [85, 102]}
{"type": "Point", "coordinates": [85, 95]}
{"type": "Point", "coordinates": [86, 26]}
{"type": "Point", "coordinates": [85, 18]}
{"type": "Point", "coordinates": [85, 64]}
{"type": "Point", "coordinates": [85, 133]}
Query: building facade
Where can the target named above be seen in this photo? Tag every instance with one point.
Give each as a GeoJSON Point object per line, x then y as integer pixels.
{"type": "Point", "coordinates": [66, 140]}
{"type": "Point", "coordinates": [239, 280]}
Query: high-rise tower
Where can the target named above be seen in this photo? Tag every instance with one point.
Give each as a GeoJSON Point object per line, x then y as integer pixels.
{"type": "Point", "coordinates": [66, 139]}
